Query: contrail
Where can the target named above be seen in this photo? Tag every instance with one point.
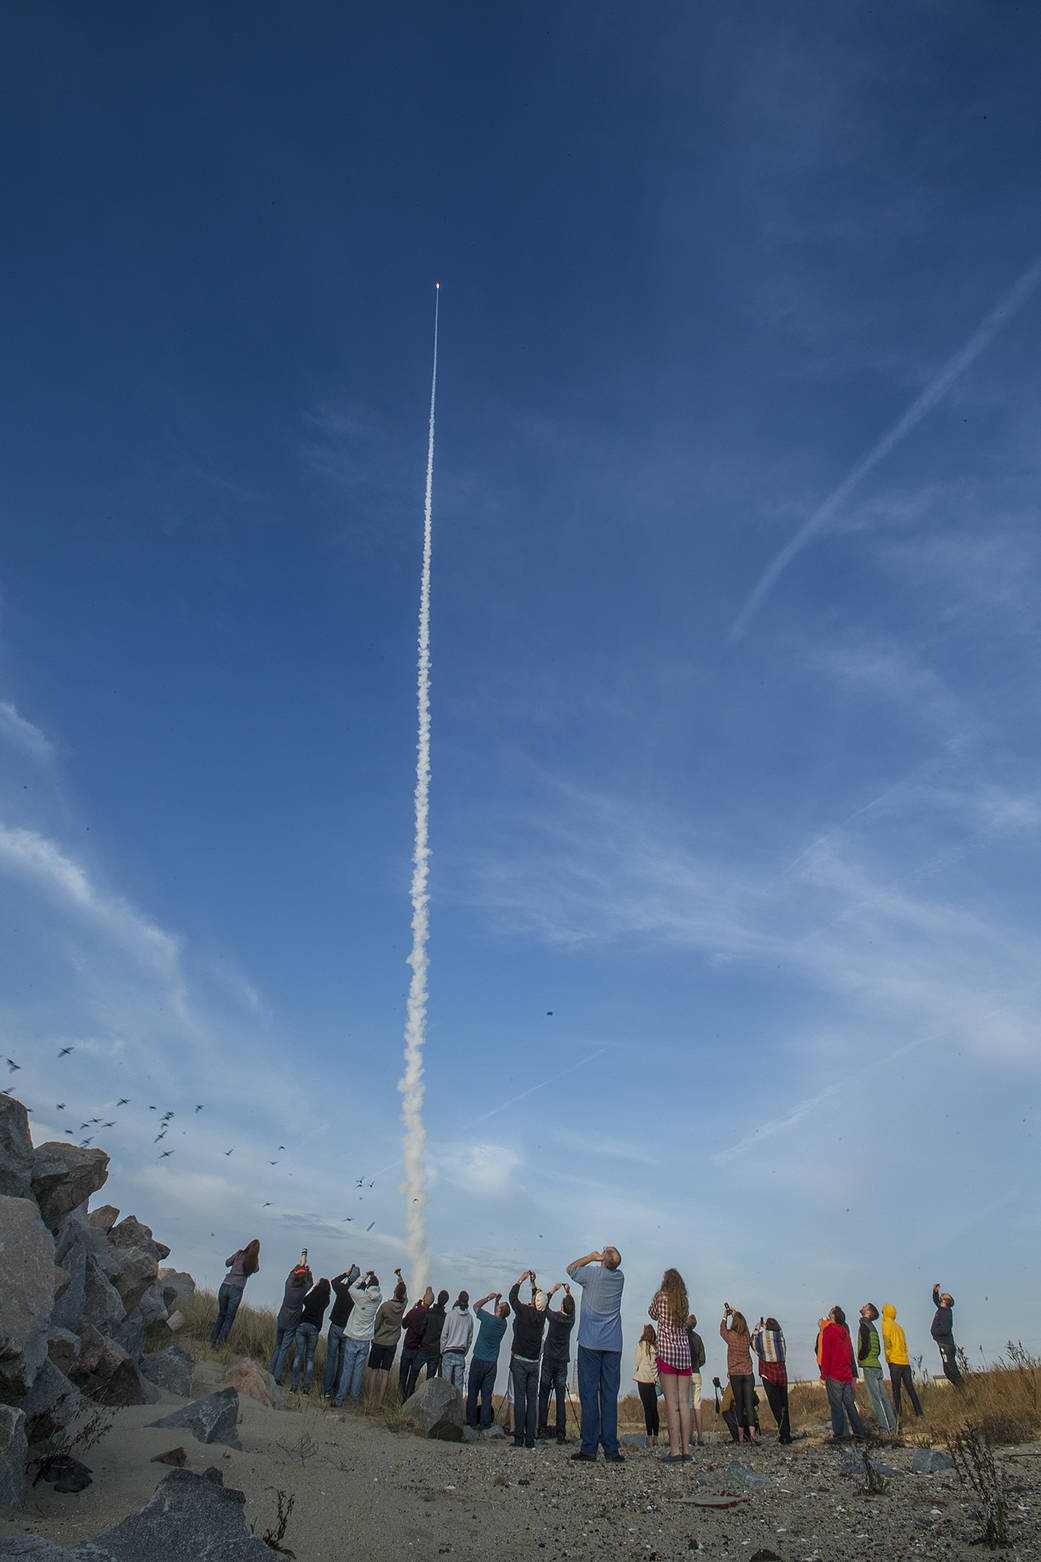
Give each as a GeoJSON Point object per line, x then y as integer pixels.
{"type": "Point", "coordinates": [1006, 308]}
{"type": "Point", "coordinates": [414, 1184]}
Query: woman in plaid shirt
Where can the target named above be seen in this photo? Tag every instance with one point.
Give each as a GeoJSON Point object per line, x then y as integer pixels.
{"type": "Point", "coordinates": [670, 1311]}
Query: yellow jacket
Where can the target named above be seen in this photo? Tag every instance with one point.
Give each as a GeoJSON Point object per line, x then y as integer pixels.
{"type": "Point", "coordinates": [893, 1338]}
{"type": "Point", "coordinates": [646, 1363]}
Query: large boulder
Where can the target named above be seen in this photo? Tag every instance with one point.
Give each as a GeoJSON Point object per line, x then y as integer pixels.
{"type": "Point", "coordinates": [133, 1274]}
{"type": "Point", "coordinates": [64, 1176]}
{"type": "Point", "coordinates": [436, 1410]}
{"type": "Point", "coordinates": [930, 1461]}
{"type": "Point", "coordinates": [247, 1377]}
{"type": "Point", "coordinates": [210, 1420]}
{"type": "Point", "coordinates": [104, 1217]}
{"type": "Point", "coordinates": [26, 1295]}
{"type": "Point", "coordinates": [14, 1450]}
{"type": "Point", "coordinates": [50, 1404]}
{"type": "Point", "coordinates": [178, 1288]}
{"type": "Point", "coordinates": [102, 1303]}
{"type": "Point", "coordinates": [189, 1518]}
{"type": "Point", "coordinates": [68, 1306]}
{"type": "Point", "coordinates": [106, 1372]}
{"type": "Point", "coordinates": [63, 1347]}
{"type": "Point", "coordinates": [151, 1306]}
{"type": "Point", "coordinates": [131, 1232]}
{"type": "Point", "coordinates": [172, 1369]}
{"type": "Point", "coordinates": [16, 1150]}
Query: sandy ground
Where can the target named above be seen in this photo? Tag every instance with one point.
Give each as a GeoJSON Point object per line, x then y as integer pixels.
{"type": "Point", "coordinates": [363, 1490]}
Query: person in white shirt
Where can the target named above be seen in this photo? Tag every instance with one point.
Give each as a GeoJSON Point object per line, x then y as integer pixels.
{"type": "Point", "coordinates": [455, 1340]}
{"type": "Point", "coordinates": [357, 1337]}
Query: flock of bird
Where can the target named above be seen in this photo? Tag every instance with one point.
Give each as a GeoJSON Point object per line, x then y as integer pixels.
{"type": "Point", "coordinates": [164, 1120]}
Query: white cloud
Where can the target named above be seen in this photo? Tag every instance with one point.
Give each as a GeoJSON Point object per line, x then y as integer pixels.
{"type": "Point", "coordinates": [23, 735]}
{"type": "Point", "coordinates": [485, 1169]}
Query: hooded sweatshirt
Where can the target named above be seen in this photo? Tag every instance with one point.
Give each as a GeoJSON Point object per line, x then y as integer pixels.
{"type": "Point", "coordinates": [433, 1323]}
{"type": "Point", "coordinates": [297, 1286]}
{"type": "Point", "coordinates": [837, 1353]}
{"type": "Point", "coordinates": [458, 1330]}
{"type": "Point", "coordinates": [366, 1299]}
{"type": "Point", "coordinates": [315, 1303]}
{"type": "Point", "coordinates": [387, 1328]}
{"type": "Point", "coordinates": [893, 1338]}
{"type": "Point", "coordinates": [942, 1327]}
{"type": "Point", "coordinates": [413, 1322]}
{"type": "Point", "coordinates": [344, 1301]}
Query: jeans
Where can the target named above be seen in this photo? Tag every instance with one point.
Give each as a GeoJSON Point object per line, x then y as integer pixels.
{"type": "Point", "coordinates": [950, 1362]}
{"type": "Point", "coordinates": [303, 1361]}
{"type": "Point", "coordinates": [842, 1404]}
{"type": "Point", "coordinates": [525, 1400]}
{"type": "Point", "coordinates": [743, 1385]}
{"type": "Point", "coordinates": [879, 1399]}
{"type": "Point", "coordinates": [355, 1355]}
{"type": "Point", "coordinates": [649, 1401]}
{"type": "Point", "coordinates": [432, 1364]}
{"type": "Point", "coordinates": [286, 1336]}
{"type": "Point", "coordinates": [900, 1377]}
{"type": "Point", "coordinates": [777, 1395]}
{"type": "Point", "coordinates": [333, 1357]}
{"type": "Point", "coordinates": [408, 1372]}
{"type": "Point", "coordinates": [454, 1363]}
{"type": "Point", "coordinates": [599, 1374]}
{"type": "Point", "coordinates": [228, 1299]}
{"type": "Point", "coordinates": [481, 1385]}
{"type": "Point", "coordinates": [553, 1381]}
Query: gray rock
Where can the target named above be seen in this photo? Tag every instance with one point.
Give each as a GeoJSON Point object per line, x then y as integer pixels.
{"type": "Point", "coordinates": [436, 1410]}
{"type": "Point", "coordinates": [151, 1306]}
{"type": "Point", "coordinates": [172, 1369]}
{"type": "Point", "coordinates": [178, 1288]}
{"type": "Point", "coordinates": [130, 1334]}
{"type": "Point", "coordinates": [134, 1274]}
{"type": "Point", "coordinates": [33, 1548]}
{"type": "Point", "coordinates": [495, 1430]}
{"type": "Point", "coordinates": [50, 1404]}
{"type": "Point", "coordinates": [26, 1296]}
{"type": "Point", "coordinates": [64, 1176]}
{"type": "Point", "coordinates": [63, 1347]}
{"type": "Point", "coordinates": [107, 1374]}
{"type": "Point", "coordinates": [102, 1303]}
{"type": "Point", "coordinates": [210, 1420]}
{"type": "Point", "coordinates": [190, 1518]}
{"type": "Point", "coordinates": [740, 1475]}
{"type": "Point", "coordinates": [930, 1461]}
{"type": "Point", "coordinates": [635, 1440]}
{"type": "Point", "coordinates": [132, 1232]}
{"type": "Point", "coordinates": [14, 1450]}
{"type": "Point", "coordinates": [471, 1434]}
{"type": "Point", "coordinates": [853, 1464]}
{"type": "Point", "coordinates": [16, 1150]}
{"type": "Point", "coordinates": [68, 1309]}
{"type": "Point", "coordinates": [104, 1217]}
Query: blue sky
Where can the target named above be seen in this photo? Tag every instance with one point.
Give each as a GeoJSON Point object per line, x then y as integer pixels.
{"type": "Point", "coordinates": [735, 948]}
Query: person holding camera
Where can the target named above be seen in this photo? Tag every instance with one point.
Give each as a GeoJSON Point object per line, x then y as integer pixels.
{"type": "Point", "coordinates": [733, 1331]}
{"type": "Point", "coordinates": [768, 1342]}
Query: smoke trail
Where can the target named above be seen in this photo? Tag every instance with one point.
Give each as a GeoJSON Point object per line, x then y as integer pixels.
{"type": "Point", "coordinates": [414, 1184]}
{"type": "Point", "coordinates": [1004, 310]}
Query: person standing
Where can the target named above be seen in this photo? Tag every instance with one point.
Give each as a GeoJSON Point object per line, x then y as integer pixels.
{"type": "Point", "coordinates": [599, 1351]}
{"type": "Point", "coordinates": [769, 1346]}
{"type": "Point", "coordinates": [869, 1349]}
{"type": "Point", "coordinates": [733, 1331]}
{"type": "Point", "coordinates": [942, 1331]}
{"type": "Point", "coordinates": [298, 1283]}
{"type": "Point", "coordinates": [408, 1372]}
{"type": "Point", "coordinates": [386, 1331]}
{"type": "Point", "coordinates": [485, 1359]}
{"type": "Point", "coordinates": [245, 1261]}
{"type": "Point", "coordinates": [357, 1337]}
{"type": "Point", "coordinates": [341, 1311]}
{"type": "Point", "coordinates": [456, 1335]}
{"type": "Point", "coordinates": [529, 1321]}
{"type": "Point", "coordinates": [556, 1353]}
{"type": "Point", "coordinates": [430, 1343]}
{"type": "Point", "coordinates": [838, 1369]}
{"type": "Point", "coordinates": [670, 1310]}
{"type": "Point", "coordinates": [697, 1361]}
{"type": "Point", "coordinates": [312, 1317]}
{"type": "Point", "coordinates": [645, 1376]}
{"type": "Point", "coordinates": [894, 1341]}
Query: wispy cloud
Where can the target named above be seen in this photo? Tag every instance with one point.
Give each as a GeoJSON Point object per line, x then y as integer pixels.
{"type": "Point", "coordinates": [23, 735]}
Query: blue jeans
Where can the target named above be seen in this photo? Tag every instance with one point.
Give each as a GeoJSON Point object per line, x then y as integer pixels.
{"type": "Point", "coordinates": [282, 1344]}
{"type": "Point", "coordinates": [355, 1355]}
{"type": "Point", "coordinates": [525, 1400]}
{"type": "Point", "coordinates": [599, 1374]}
{"type": "Point", "coordinates": [454, 1364]}
{"type": "Point", "coordinates": [553, 1381]}
{"type": "Point", "coordinates": [228, 1299]}
{"type": "Point", "coordinates": [408, 1372]}
{"type": "Point", "coordinates": [841, 1404]}
{"type": "Point", "coordinates": [333, 1357]}
{"type": "Point", "coordinates": [482, 1383]}
{"type": "Point", "coordinates": [875, 1386]}
{"type": "Point", "coordinates": [303, 1361]}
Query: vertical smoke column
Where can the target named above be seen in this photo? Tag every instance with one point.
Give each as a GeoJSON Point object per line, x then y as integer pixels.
{"type": "Point", "coordinates": [414, 1185]}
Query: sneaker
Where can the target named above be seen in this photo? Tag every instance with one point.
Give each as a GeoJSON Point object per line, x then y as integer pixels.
{"type": "Point", "coordinates": [614, 1458]}
{"type": "Point", "coordinates": [671, 1459]}
{"type": "Point", "coordinates": [581, 1458]}
{"type": "Point", "coordinates": [561, 1438]}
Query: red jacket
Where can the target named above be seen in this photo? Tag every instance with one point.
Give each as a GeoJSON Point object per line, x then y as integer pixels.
{"type": "Point", "coordinates": [837, 1354]}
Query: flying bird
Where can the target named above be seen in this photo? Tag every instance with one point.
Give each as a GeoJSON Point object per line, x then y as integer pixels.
{"type": "Point", "coordinates": [198, 1108]}
{"type": "Point", "coordinates": [231, 1151]}
{"type": "Point", "coordinates": [123, 1101]}
{"type": "Point", "coordinates": [159, 1136]}
{"type": "Point", "coordinates": [360, 1183]}
{"type": "Point", "coordinates": [152, 1108]}
{"type": "Point", "coordinates": [12, 1065]}
{"type": "Point", "coordinates": [64, 1052]}
{"type": "Point", "coordinates": [370, 1225]}
{"type": "Point", "coordinates": [348, 1217]}
{"type": "Point", "coordinates": [273, 1163]}
{"type": "Point", "coordinates": [60, 1107]}
{"type": "Point", "coordinates": [281, 1147]}
{"type": "Point", "coordinates": [267, 1204]}
{"type": "Point", "coordinates": [164, 1154]}
{"type": "Point", "coordinates": [70, 1130]}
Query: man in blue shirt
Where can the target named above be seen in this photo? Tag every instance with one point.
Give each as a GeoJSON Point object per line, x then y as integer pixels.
{"type": "Point", "coordinates": [599, 1351]}
{"type": "Point", "coordinates": [485, 1359]}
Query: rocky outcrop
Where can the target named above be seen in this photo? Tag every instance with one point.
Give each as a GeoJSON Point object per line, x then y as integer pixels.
{"type": "Point", "coordinates": [172, 1369]}
{"type": "Point", "coordinates": [178, 1288]}
{"type": "Point", "coordinates": [247, 1377]}
{"type": "Point", "coordinates": [79, 1292]}
{"type": "Point", "coordinates": [209, 1420]}
{"type": "Point", "coordinates": [436, 1410]}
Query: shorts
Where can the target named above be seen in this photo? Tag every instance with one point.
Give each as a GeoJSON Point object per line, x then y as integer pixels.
{"type": "Point", "coordinates": [695, 1391]}
{"type": "Point", "coordinates": [672, 1372]}
{"type": "Point", "coordinates": [381, 1357]}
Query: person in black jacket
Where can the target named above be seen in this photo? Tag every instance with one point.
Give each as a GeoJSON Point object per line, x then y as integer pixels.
{"type": "Point", "coordinates": [337, 1319]}
{"type": "Point", "coordinates": [298, 1283]}
{"type": "Point", "coordinates": [307, 1332]}
{"type": "Point", "coordinates": [942, 1331]}
{"type": "Point", "coordinates": [556, 1353]}
{"type": "Point", "coordinates": [697, 1361]}
{"type": "Point", "coordinates": [430, 1343]}
{"type": "Point", "coordinates": [528, 1324]}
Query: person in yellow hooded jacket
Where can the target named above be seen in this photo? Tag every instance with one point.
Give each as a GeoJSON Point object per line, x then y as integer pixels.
{"type": "Point", "coordinates": [894, 1342]}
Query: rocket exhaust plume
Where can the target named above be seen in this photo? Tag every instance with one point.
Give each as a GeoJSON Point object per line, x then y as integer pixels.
{"type": "Point", "coordinates": [414, 1183]}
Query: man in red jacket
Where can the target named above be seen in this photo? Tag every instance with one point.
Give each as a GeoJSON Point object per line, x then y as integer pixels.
{"type": "Point", "coordinates": [838, 1371]}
